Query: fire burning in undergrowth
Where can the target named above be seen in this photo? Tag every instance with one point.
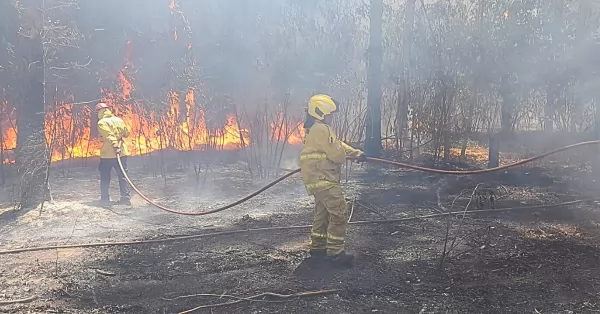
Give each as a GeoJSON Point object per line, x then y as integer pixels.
{"type": "Point", "coordinates": [180, 122]}
{"type": "Point", "coordinates": [70, 129]}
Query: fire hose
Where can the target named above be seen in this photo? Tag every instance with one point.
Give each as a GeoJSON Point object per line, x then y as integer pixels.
{"type": "Point", "coordinates": [366, 222]}
{"type": "Point", "coordinates": [368, 159]}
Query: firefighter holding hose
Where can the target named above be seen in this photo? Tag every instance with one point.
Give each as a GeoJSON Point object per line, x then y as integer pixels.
{"type": "Point", "coordinates": [113, 130]}
{"type": "Point", "coordinates": [321, 159]}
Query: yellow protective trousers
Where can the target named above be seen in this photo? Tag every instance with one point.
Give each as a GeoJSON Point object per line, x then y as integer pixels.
{"type": "Point", "coordinates": [330, 221]}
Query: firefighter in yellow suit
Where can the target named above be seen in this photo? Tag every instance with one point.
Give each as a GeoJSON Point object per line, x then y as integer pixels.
{"type": "Point", "coordinates": [113, 130]}
{"type": "Point", "coordinates": [321, 159]}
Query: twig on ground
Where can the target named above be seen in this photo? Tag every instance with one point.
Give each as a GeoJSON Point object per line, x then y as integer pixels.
{"type": "Point", "coordinates": [220, 296]}
{"type": "Point", "coordinates": [433, 206]}
{"type": "Point", "coordinates": [506, 192]}
{"type": "Point", "coordinates": [467, 251]}
{"type": "Point", "coordinates": [104, 273]}
{"type": "Point", "coordinates": [371, 209]}
{"type": "Point", "coordinates": [25, 300]}
{"type": "Point", "coordinates": [456, 198]}
{"type": "Point", "coordinates": [265, 294]}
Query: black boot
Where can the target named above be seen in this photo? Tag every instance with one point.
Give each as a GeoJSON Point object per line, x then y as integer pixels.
{"type": "Point", "coordinates": [124, 201]}
{"type": "Point", "coordinates": [341, 260]}
{"type": "Point", "coordinates": [105, 203]}
{"type": "Point", "coordinates": [318, 254]}
{"type": "Point", "coordinates": [316, 258]}
{"type": "Point", "coordinates": [316, 261]}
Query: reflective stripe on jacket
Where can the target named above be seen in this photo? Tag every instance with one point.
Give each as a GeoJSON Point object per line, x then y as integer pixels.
{"type": "Point", "coordinates": [322, 157]}
{"type": "Point", "coordinates": [113, 130]}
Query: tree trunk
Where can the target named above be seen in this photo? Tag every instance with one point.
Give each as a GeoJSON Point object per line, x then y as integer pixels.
{"type": "Point", "coordinates": [373, 123]}
{"type": "Point", "coordinates": [2, 171]}
{"type": "Point", "coordinates": [401, 113]}
{"type": "Point", "coordinates": [549, 108]}
{"type": "Point", "coordinates": [448, 100]}
{"type": "Point", "coordinates": [468, 124]}
{"type": "Point", "coordinates": [477, 69]}
{"type": "Point", "coordinates": [554, 86]}
{"type": "Point", "coordinates": [182, 112]}
{"type": "Point", "coordinates": [508, 102]}
{"type": "Point", "coordinates": [446, 146]}
{"type": "Point", "coordinates": [494, 150]}
{"type": "Point", "coordinates": [596, 160]}
{"type": "Point", "coordinates": [404, 90]}
{"type": "Point", "coordinates": [32, 154]}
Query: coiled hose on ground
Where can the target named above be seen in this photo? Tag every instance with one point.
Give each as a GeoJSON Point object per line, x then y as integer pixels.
{"type": "Point", "coordinates": [369, 159]}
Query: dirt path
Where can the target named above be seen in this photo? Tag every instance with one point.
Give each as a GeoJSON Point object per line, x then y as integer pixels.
{"type": "Point", "coordinates": [518, 262]}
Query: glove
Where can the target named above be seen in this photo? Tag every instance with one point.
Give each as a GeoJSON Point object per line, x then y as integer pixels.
{"type": "Point", "coordinates": [362, 158]}
{"type": "Point", "coordinates": [117, 146]}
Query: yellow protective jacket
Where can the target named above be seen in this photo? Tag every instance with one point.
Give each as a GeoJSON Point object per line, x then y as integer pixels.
{"type": "Point", "coordinates": [322, 157]}
{"type": "Point", "coordinates": [113, 130]}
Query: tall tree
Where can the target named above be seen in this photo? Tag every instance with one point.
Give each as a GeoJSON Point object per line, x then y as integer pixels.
{"type": "Point", "coordinates": [555, 81]}
{"type": "Point", "coordinates": [39, 37]}
{"type": "Point", "coordinates": [403, 100]}
{"type": "Point", "coordinates": [373, 124]}
{"type": "Point", "coordinates": [32, 154]}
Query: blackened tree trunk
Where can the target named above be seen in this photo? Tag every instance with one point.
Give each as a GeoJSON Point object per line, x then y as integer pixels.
{"type": "Point", "coordinates": [32, 156]}
{"type": "Point", "coordinates": [494, 150]}
{"type": "Point", "coordinates": [508, 102]}
{"type": "Point", "coordinates": [182, 112]}
{"type": "Point", "coordinates": [404, 90]}
{"type": "Point", "coordinates": [596, 160]}
{"type": "Point", "coordinates": [8, 29]}
{"type": "Point", "coordinates": [448, 101]}
{"type": "Point", "coordinates": [551, 99]}
{"type": "Point", "coordinates": [469, 121]}
{"type": "Point", "coordinates": [554, 85]}
{"type": "Point", "coordinates": [477, 69]}
{"type": "Point", "coordinates": [373, 123]}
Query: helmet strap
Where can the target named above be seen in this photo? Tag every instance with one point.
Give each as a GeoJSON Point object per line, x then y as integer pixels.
{"type": "Point", "coordinates": [320, 113]}
{"type": "Point", "coordinates": [309, 121]}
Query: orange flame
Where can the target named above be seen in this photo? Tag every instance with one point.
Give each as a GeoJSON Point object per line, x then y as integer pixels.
{"type": "Point", "coordinates": [126, 86]}
{"type": "Point", "coordinates": [8, 133]}
{"type": "Point", "coordinates": [70, 129]}
{"type": "Point", "coordinates": [281, 132]}
{"type": "Point", "coordinates": [181, 127]}
{"type": "Point", "coordinates": [10, 138]}
{"type": "Point", "coordinates": [66, 137]}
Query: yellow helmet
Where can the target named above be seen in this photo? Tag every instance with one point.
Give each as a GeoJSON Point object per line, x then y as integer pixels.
{"type": "Point", "coordinates": [321, 105]}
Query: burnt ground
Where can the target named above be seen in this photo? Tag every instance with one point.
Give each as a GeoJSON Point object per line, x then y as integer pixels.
{"type": "Point", "coordinates": [526, 261]}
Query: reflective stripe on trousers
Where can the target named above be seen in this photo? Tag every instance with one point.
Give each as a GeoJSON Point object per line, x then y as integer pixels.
{"type": "Point", "coordinates": [330, 221]}
{"type": "Point", "coordinates": [334, 238]}
{"type": "Point", "coordinates": [318, 235]}
{"type": "Point", "coordinates": [320, 184]}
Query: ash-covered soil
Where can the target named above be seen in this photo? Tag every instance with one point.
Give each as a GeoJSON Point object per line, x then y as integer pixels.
{"type": "Point", "coordinates": [526, 261]}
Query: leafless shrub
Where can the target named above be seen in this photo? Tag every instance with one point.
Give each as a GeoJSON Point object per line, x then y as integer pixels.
{"type": "Point", "coordinates": [482, 196]}
{"type": "Point", "coordinates": [269, 133]}
{"type": "Point", "coordinates": [33, 167]}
